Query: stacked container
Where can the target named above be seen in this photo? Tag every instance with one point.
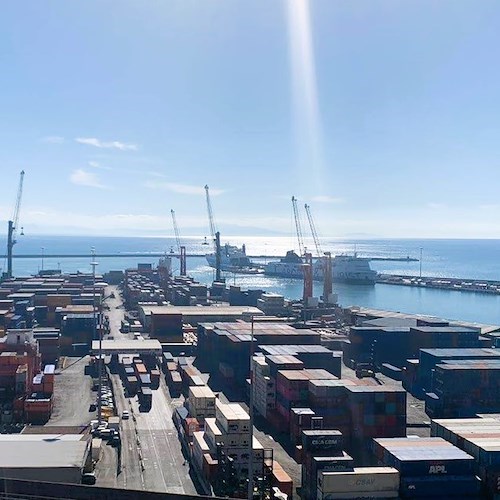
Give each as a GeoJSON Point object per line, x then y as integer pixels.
{"type": "Point", "coordinates": [463, 388]}
{"type": "Point", "coordinates": [321, 451]}
{"type": "Point", "coordinates": [376, 411]}
{"type": "Point", "coordinates": [360, 482]}
{"type": "Point", "coordinates": [201, 402]}
{"type": "Point", "coordinates": [292, 389]}
{"type": "Point", "coordinates": [429, 358]}
{"type": "Point", "coordinates": [481, 438]}
{"type": "Point", "coordinates": [429, 467]}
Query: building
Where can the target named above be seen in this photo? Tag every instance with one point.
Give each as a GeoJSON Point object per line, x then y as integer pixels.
{"type": "Point", "coordinates": [44, 457]}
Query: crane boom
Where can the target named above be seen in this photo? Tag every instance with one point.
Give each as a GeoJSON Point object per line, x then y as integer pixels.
{"type": "Point", "coordinates": [298, 225]}
{"type": "Point", "coordinates": [211, 218]}
{"type": "Point", "coordinates": [12, 227]}
{"type": "Point", "coordinates": [314, 233]}
{"type": "Point", "coordinates": [176, 230]}
{"type": "Point", "coordinates": [17, 208]}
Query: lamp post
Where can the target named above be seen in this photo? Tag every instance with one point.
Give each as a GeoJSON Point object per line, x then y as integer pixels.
{"type": "Point", "coordinates": [94, 264]}
{"type": "Point", "coordinates": [420, 262]}
{"type": "Point", "coordinates": [250, 445]}
{"type": "Point", "coordinates": [43, 255]}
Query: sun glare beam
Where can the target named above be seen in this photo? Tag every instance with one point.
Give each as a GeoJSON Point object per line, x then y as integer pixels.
{"type": "Point", "coordinates": [306, 115]}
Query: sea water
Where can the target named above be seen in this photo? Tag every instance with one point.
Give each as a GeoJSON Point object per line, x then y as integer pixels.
{"type": "Point", "coordinates": [474, 259]}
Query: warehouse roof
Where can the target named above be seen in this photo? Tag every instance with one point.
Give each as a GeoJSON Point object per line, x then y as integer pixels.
{"type": "Point", "coordinates": [27, 452]}
{"type": "Point", "coordinates": [127, 346]}
{"type": "Point", "coordinates": [203, 310]}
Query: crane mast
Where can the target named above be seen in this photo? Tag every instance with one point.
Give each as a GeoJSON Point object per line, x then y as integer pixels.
{"type": "Point", "coordinates": [314, 233]}
{"type": "Point", "coordinates": [211, 218]}
{"type": "Point", "coordinates": [13, 224]}
{"type": "Point", "coordinates": [298, 226]}
{"type": "Point", "coordinates": [180, 248]}
{"type": "Point", "coordinates": [176, 230]}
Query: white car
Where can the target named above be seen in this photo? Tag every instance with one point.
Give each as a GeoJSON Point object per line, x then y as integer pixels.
{"type": "Point", "coordinates": [125, 414]}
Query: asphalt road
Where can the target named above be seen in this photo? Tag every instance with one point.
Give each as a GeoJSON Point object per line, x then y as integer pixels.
{"type": "Point", "coordinates": [151, 457]}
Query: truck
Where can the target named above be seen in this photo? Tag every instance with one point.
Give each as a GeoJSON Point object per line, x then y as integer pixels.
{"type": "Point", "coordinates": [145, 398]}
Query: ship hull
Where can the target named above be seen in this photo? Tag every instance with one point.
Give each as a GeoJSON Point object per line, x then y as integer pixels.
{"type": "Point", "coordinates": [354, 271]}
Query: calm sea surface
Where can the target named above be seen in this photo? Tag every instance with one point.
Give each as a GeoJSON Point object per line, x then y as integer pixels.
{"type": "Point", "coordinates": [478, 259]}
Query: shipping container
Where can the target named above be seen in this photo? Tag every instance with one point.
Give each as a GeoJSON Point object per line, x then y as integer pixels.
{"type": "Point", "coordinates": [360, 479]}
{"type": "Point", "coordinates": [322, 440]}
{"type": "Point", "coordinates": [440, 487]}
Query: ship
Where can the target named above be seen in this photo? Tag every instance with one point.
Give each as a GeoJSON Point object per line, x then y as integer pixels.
{"type": "Point", "coordinates": [233, 259]}
{"type": "Point", "coordinates": [345, 269]}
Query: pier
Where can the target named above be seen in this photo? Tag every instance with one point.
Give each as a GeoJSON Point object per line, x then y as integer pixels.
{"type": "Point", "coordinates": [454, 284]}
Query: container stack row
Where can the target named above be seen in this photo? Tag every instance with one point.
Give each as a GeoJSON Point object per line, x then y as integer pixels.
{"type": "Point", "coordinates": [463, 388]}
{"type": "Point", "coordinates": [480, 437]}
{"type": "Point", "coordinates": [430, 468]}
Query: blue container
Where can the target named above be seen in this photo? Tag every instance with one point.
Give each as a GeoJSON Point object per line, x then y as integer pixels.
{"type": "Point", "coordinates": [439, 487]}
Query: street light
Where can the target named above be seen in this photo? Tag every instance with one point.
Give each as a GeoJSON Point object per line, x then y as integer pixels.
{"type": "Point", "coordinates": [250, 445]}
{"type": "Point", "coordinates": [94, 264]}
{"type": "Point", "coordinates": [420, 262]}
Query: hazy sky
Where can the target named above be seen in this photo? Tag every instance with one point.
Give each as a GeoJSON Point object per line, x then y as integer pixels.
{"type": "Point", "coordinates": [384, 115]}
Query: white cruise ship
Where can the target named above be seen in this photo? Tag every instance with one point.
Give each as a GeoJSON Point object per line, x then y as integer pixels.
{"type": "Point", "coordinates": [232, 258]}
{"type": "Point", "coordinates": [345, 269]}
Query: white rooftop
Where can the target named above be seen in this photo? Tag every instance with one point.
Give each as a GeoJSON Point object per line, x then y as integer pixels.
{"type": "Point", "coordinates": [203, 310]}
{"type": "Point", "coordinates": [127, 346]}
{"type": "Point", "coordinates": [232, 411]}
{"type": "Point", "coordinates": [42, 453]}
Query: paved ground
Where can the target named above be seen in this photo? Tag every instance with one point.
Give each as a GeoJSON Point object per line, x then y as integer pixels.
{"type": "Point", "coordinates": [164, 468]}
{"type": "Point", "coordinates": [151, 457]}
{"type": "Point", "coordinates": [72, 394]}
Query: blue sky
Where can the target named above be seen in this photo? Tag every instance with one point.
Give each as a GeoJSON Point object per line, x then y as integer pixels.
{"type": "Point", "coordinates": [383, 115]}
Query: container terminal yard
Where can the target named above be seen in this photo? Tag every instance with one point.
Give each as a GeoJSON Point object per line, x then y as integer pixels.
{"type": "Point", "coordinates": [141, 381]}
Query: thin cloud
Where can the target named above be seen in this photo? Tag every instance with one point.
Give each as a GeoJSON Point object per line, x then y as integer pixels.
{"type": "Point", "coordinates": [97, 143]}
{"type": "Point", "coordinates": [81, 177]}
{"type": "Point", "coordinates": [182, 188]}
{"type": "Point", "coordinates": [53, 139]}
{"type": "Point", "coordinates": [326, 199]}
{"type": "Point", "coordinates": [95, 164]}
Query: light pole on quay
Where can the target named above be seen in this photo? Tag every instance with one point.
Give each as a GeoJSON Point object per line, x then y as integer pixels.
{"type": "Point", "coordinates": [94, 264]}
{"type": "Point", "coordinates": [250, 441]}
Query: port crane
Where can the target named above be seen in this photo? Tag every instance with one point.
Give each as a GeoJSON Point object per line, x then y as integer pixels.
{"type": "Point", "coordinates": [298, 226]}
{"type": "Point", "coordinates": [180, 248]}
{"type": "Point", "coordinates": [211, 218]}
{"type": "Point", "coordinates": [324, 258]}
{"type": "Point", "coordinates": [215, 235]}
{"type": "Point", "coordinates": [176, 230]}
{"type": "Point", "coordinates": [13, 224]}
{"type": "Point", "coordinates": [314, 233]}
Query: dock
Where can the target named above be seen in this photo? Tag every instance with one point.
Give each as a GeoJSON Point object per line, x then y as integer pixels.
{"type": "Point", "coordinates": [453, 284]}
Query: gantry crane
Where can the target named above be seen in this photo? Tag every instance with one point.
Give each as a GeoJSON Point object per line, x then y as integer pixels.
{"type": "Point", "coordinates": [298, 226]}
{"type": "Point", "coordinates": [13, 224]}
{"type": "Point", "coordinates": [180, 248]}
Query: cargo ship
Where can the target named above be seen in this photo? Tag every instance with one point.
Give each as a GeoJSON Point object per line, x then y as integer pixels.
{"type": "Point", "coordinates": [345, 269]}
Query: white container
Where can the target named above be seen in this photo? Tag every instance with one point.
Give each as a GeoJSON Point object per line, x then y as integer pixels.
{"type": "Point", "coordinates": [360, 479]}
{"type": "Point", "coordinates": [114, 423]}
{"type": "Point", "coordinates": [96, 449]}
